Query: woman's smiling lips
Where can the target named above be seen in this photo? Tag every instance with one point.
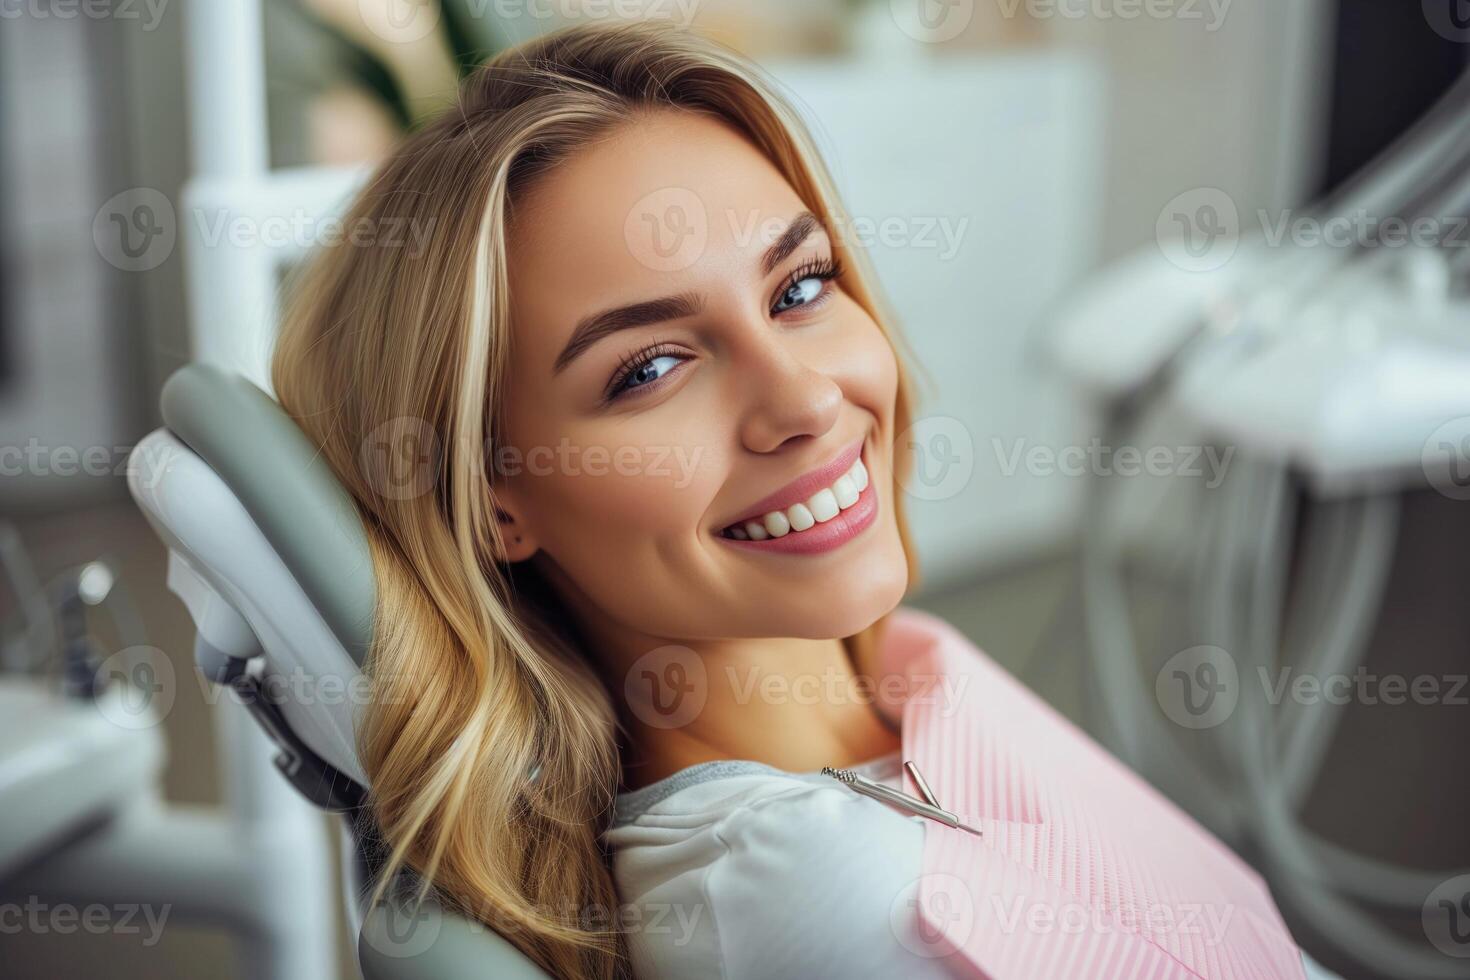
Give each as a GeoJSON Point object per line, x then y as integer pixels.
{"type": "Point", "coordinates": [815, 513]}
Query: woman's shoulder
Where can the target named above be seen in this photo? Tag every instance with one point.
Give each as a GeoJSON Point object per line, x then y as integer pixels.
{"type": "Point", "coordinates": [737, 819]}
{"type": "Point", "coordinates": [763, 868]}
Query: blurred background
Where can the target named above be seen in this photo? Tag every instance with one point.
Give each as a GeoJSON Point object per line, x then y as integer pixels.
{"type": "Point", "coordinates": [1194, 447]}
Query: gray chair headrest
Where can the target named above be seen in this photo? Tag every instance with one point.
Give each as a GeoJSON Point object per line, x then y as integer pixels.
{"type": "Point", "coordinates": [280, 477]}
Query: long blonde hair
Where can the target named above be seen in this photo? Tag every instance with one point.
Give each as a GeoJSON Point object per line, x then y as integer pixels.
{"type": "Point", "coordinates": [476, 689]}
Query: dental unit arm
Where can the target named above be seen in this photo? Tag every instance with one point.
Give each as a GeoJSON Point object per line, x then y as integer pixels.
{"type": "Point", "coordinates": [1346, 369]}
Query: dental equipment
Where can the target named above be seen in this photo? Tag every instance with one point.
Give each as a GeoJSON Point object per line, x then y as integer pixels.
{"type": "Point", "coordinates": [862, 784]}
{"type": "Point", "coordinates": [1332, 366]}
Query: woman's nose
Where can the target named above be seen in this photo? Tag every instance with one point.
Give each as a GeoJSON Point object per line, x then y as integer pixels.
{"type": "Point", "coordinates": [783, 397]}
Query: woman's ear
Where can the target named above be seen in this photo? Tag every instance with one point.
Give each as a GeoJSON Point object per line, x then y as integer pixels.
{"type": "Point", "coordinates": [517, 541]}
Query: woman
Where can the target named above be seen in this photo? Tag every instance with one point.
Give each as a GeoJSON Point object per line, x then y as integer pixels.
{"type": "Point", "coordinates": [655, 538]}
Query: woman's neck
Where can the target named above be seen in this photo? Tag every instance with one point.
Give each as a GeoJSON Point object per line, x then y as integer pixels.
{"type": "Point", "coordinates": [793, 704]}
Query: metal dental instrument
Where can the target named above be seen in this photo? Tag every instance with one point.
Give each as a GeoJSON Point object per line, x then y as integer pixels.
{"type": "Point", "coordinates": [924, 790]}
{"type": "Point", "coordinates": [878, 791]}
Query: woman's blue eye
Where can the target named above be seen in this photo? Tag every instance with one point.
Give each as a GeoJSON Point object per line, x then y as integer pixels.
{"type": "Point", "coordinates": [647, 372]}
{"type": "Point", "coordinates": [799, 293]}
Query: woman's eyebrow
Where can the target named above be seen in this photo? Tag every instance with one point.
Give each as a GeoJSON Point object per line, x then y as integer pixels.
{"type": "Point", "coordinates": [800, 229]}
{"type": "Point", "coordinates": [593, 328]}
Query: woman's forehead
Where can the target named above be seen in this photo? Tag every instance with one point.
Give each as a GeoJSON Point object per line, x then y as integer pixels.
{"type": "Point", "coordinates": [672, 202]}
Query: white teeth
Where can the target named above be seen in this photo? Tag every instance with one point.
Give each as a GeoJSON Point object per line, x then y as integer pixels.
{"type": "Point", "coordinates": [821, 507]}
{"type": "Point", "coordinates": [845, 492]}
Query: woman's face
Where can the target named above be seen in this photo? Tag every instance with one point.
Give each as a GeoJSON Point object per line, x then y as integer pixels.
{"type": "Point", "coordinates": [681, 361]}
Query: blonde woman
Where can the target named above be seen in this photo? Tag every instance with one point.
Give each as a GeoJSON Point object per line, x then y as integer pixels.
{"type": "Point", "coordinates": [649, 587]}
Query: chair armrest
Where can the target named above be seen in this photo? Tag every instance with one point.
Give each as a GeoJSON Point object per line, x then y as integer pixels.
{"type": "Point", "coordinates": [436, 945]}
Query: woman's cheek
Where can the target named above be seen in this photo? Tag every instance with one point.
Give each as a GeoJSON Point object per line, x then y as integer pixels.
{"type": "Point", "coordinates": [651, 490]}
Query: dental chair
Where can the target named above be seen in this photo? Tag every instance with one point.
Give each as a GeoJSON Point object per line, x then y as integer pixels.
{"type": "Point", "coordinates": [268, 553]}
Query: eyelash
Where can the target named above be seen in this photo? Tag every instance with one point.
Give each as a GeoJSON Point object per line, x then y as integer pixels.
{"type": "Point", "coordinates": [825, 269]}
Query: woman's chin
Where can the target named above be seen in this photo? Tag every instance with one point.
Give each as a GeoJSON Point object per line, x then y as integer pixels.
{"type": "Point", "coordinates": [851, 605]}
